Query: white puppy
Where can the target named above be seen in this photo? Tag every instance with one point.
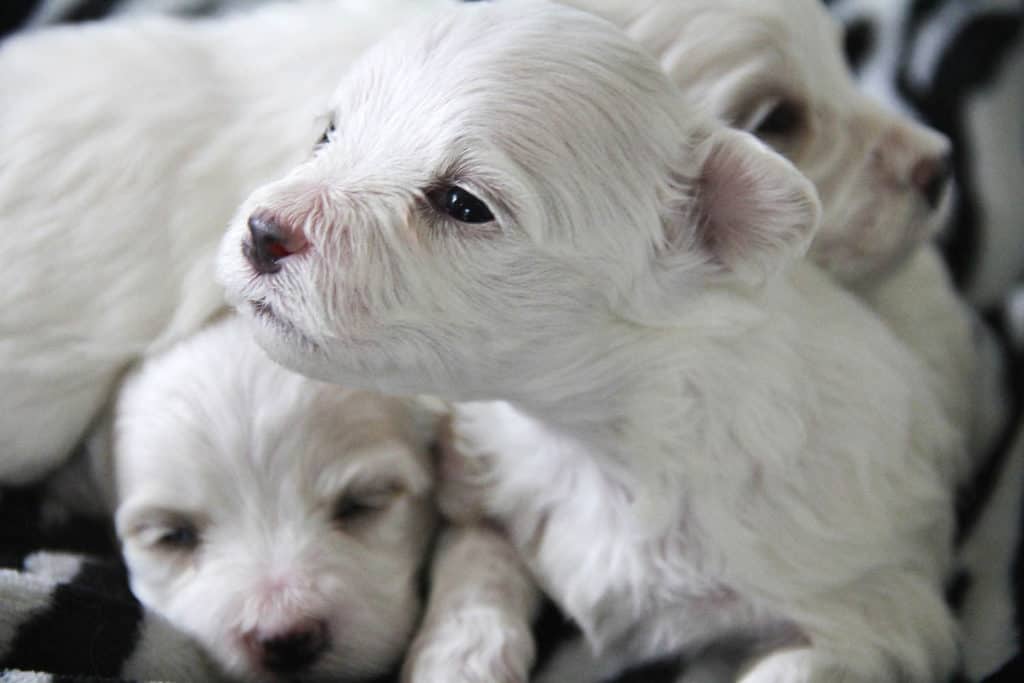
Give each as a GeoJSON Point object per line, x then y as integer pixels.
{"type": "Point", "coordinates": [80, 309]}
{"type": "Point", "coordinates": [118, 177]}
{"type": "Point", "coordinates": [700, 438]}
{"type": "Point", "coordinates": [113, 259]}
{"type": "Point", "coordinates": [280, 521]}
{"type": "Point", "coordinates": [776, 69]}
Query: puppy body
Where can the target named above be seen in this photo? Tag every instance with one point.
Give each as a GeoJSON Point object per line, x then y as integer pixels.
{"type": "Point", "coordinates": [730, 535]}
{"type": "Point", "coordinates": [775, 68]}
{"type": "Point", "coordinates": [118, 177]}
{"type": "Point", "coordinates": [279, 521]}
{"type": "Point", "coordinates": [687, 437]}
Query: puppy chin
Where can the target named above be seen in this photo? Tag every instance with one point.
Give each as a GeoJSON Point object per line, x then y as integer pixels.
{"type": "Point", "coordinates": [288, 346]}
{"type": "Point", "coordinates": [265, 317]}
{"type": "Point", "coordinates": [869, 243]}
{"type": "Point", "coordinates": [281, 340]}
{"type": "Point", "coordinates": [913, 226]}
{"type": "Point", "coordinates": [343, 356]}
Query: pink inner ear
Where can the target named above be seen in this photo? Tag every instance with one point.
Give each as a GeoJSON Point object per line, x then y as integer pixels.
{"type": "Point", "coordinates": [756, 212]}
{"type": "Point", "coordinates": [729, 205]}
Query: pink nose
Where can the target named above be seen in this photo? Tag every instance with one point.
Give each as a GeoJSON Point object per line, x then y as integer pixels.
{"type": "Point", "coordinates": [930, 175]}
{"type": "Point", "coordinates": [291, 651]}
{"type": "Point", "coordinates": [270, 241]}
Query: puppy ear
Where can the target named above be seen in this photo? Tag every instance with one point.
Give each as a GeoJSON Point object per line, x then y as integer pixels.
{"type": "Point", "coordinates": [751, 212]}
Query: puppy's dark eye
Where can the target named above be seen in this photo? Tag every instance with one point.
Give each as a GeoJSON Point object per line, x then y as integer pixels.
{"type": "Point", "coordinates": [784, 118]}
{"type": "Point", "coordinates": [326, 137]}
{"type": "Point", "coordinates": [460, 205]}
{"type": "Point", "coordinates": [183, 536]}
{"type": "Point", "coordinates": [353, 508]}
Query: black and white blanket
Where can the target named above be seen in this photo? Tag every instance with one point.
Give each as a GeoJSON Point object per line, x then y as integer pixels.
{"type": "Point", "coordinates": [65, 606]}
{"type": "Point", "coordinates": [66, 612]}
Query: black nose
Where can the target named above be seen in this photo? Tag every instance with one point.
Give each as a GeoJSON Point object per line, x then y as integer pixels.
{"type": "Point", "coordinates": [267, 244]}
{"type": "Point", "coordinates": [295, 650]}
{"type": "Point", "coordinates": [931, 176]}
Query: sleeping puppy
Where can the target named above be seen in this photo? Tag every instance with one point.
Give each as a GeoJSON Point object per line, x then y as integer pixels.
{"type": "Point", "coordinates": [279, 521]}
{"type": "Point", "coordinates": [118, 177]}
{"type": "Point", "coordinates": [688, 432]}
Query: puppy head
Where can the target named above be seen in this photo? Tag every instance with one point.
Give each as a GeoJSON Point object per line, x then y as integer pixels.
{"type": "Point", "coordinates": [775, 68]}
{"type": "Point", "coordinates": [497, 188]}
{"type": "Point", "coordinates": [279, 521]}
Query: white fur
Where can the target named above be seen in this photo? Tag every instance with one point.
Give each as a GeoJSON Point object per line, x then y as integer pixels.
{"type": "Point", "coordinates": [118, 177]}
{"type": "Point", "coordinates": [736, 59]}
{"type": "Point", "coordinates": [477, 627]}
{"type": "Point", "coordinates": [212, 436]}
{"type": "Point", "coordinates": [133, 250]}
{"type": "Point", "coordinates": [688, 436]}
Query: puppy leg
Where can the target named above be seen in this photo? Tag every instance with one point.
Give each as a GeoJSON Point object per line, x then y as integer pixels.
{"type": "Point", "coordinates": [477, 625]}
{"type": "Point", "coordinates": [464, 481]}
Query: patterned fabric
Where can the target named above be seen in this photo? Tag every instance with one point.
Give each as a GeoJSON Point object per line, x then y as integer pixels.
{"type": "Point", "coordinates": [65, 604]}
{"type": "Point", "coordinates": [959, 66]}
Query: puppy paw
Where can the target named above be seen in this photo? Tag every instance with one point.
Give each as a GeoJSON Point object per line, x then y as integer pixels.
{"type": "Point", "coordinates": [471, 646]}
{"type": "Point", "coordinates": [462, 480]}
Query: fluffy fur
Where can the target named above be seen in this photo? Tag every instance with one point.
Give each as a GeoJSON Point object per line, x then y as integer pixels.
{"type": "Point", "coordinates": [743, 61]}
{"type": "Point", "coordinates": [255, 505]}
{"type": "Point", "coordinates": [173, 103]}
{"type": "Point", "coordinates": [477, 625]}
{"type": "Point", "coordinates": [117, 180]}
{"type": "Point", "coordinates": [682, 451]}
{"type": "Point", "coordinates": [135, 237]}
{"type": "Point", "coordinates": [776, 69]}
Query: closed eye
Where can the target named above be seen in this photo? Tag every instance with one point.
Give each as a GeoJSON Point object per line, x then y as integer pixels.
{"type": "Point", "coordinates": [180, 537]}
{"type": "Point", "coordinates": [354, 508]}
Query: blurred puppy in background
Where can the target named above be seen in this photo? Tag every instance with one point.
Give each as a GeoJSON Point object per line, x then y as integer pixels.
{"type": "Point", "coordinates": [776, 68]}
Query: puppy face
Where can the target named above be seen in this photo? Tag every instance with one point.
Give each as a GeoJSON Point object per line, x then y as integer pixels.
{"type": "Point", "coordinates": [775, 68]}
{"type": "Point", "coordinates": [279, 521]}
{"type": "Point", "coordinates": [489, 192]}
